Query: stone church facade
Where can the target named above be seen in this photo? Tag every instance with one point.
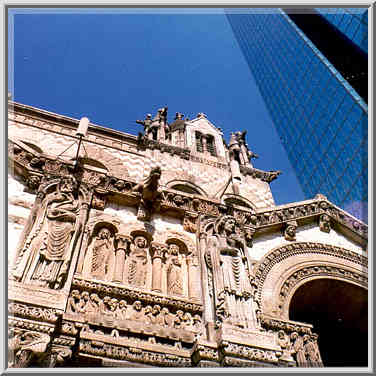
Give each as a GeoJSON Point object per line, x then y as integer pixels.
{"type": "Point", "coordinates": [164, 249]}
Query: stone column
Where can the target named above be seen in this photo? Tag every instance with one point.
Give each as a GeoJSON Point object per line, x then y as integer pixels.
{"type": "Point", "coordinates": [158, 251]}
{"type": "Point", "coordinates": [204, 145]}
{"type": "Point", "coordinates": [122, 244]}
{"type": "Point", "coordinates": [193, 277]}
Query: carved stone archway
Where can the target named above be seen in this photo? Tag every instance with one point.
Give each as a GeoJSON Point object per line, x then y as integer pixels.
{"type": "Point", "coordinates": [283, 270]}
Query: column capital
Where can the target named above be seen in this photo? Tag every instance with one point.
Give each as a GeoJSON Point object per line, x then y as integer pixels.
{"type": "Point", "coordinates": [122, 241]}
{"type": "Point", "coordinates": [158, 250]}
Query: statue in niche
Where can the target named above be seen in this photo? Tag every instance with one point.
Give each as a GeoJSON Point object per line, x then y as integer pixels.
{"type": "Point", "coordinates": [49, 262]}
{"type": "Point", "coordinates": [232, 275]}
{"type": "Point", "coordinates": [137, 262]}
{"type": "Point", "coordinates": [197, 323]}
{"type": "Point", "coordinates": [174, 271]}
{"type": "Point", "coordinates": [149, 194]}
{"type": "Point", "coordinates": [179, 320]}
{"type": "Point", "coordinates": [102, 250]}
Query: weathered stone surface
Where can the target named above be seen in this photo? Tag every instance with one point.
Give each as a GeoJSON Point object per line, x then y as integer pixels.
{"type": "Point", "coordinates": [164, 249]}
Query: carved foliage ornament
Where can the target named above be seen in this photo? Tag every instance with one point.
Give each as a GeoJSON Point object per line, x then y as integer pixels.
{"type": "Point", "coordinates": [282, 253]}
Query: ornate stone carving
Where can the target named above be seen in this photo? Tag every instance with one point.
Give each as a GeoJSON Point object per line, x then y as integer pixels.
{"type": "Point", "coordinates": [284, 252]}
{"type": "Point", "coordinates": [290, 230]}
{"type": "Point", "coordinates": [102, 251]}
{"type": "Point", "coordinates": [174, 271]}
{"type": "Point", "coordinates": [312, 352]}
{"type": "Point", "coordinates": [248, 352]}
{"type": "Point", "coordinates": [133, 354]}
{"type": "Point", "coordinates": [137, 262]}
{"type": "Point", "coordinates": [231, 274]}
{"type": "Point", "coordinates": [324, 223]}
{"type": "Point", "coordinates": [137, 295]}
{"type": "Point", "coordinates": [190, 222]}
{"type": "Point", "coordinates": [55, 227]}
{"type": "Point", "coordinates": [34, 313]}
{"type": "Point", "coordinates": [25, 346]}
{"type": "Point", "coordinates": [149, 194]}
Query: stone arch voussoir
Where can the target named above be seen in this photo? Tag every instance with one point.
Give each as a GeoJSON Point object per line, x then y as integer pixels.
{"type": "Point", "coordinates": [284, 269]}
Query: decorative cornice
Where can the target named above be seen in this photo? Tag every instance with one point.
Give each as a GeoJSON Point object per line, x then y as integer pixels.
{"type": "Point", "coordinates": [34, 313]}
{"type": "Point", "coordinates": [248, 352]}
{"type": "Point", "coordinates": [104, 185]}
{"type": "Point", "coordinates": [287, 326]}
{"type": "Point", "coordinates": [134, 354]}
{"type": "Point", "coordinates": [30, 325]}
{"type": "Point", "coordinates": [136, 295]}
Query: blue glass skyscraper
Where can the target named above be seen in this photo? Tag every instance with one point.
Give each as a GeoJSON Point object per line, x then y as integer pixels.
{"type": "Point", "coordinates": [311, 69]}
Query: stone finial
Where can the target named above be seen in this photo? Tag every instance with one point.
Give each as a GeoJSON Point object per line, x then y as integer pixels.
{"type": "Point", "coordinates": [320, 196]}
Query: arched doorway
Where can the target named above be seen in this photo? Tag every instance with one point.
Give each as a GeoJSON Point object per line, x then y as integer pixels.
{"type": "Point", "coordinates": [338, 311]}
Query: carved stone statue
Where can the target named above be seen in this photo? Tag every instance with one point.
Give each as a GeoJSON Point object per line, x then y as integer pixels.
{"type": "Point", "coordinates": [56, 223]}
{"type": "Point", "coordinates": [166, 317]}
{"type": "Point", "coordinates": [311, 351]}
{"type": "Point", "coordinates": [238, 149]}
{"type": "Point", "coordinates": [149, 194]}
{"type": "Point", "coordinates": [121, 312]}
{"type": "Point", "coordinates": [137, 262]}
{"type": "Point", "coordinates": [73, 305]}
{"type": "Point", "coordinates": [147, 126]}
{"type": "Point", "coordinates": [231, 274]}
{"type": "Point", "coordinates": [297, 349]}
{"type": "Point", "coordinates": [284, 342]}
{"type": "Point", "coordinates": [55, 253]}
{"type": "Point", "coordinates": [102, 249]}
{"type": "Point", "coordinates": [136, 313]}
{"type": "Point", "coordinates": [174, 271]}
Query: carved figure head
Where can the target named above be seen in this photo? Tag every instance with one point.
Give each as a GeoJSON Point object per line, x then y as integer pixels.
{"type": "Point", "coordinates": [95, 298]}
{"type": "Point", "coordinates": [148, 309]}
{"type": "Point", "coordinates": [156, 309]}
{"type": "Point", "coordinates": [281, 334]}
{"type": "Point", "coordinates": [122, 304]}
{"type": "Point", "coordinates": [179, 314]}
{"type": "Point", "coordinates": [140, 241]}
{"type": "Point", "coordinates": [104, 233]}
{"type": "Point", "coordinates": [76, 294]}
{"type": "Point", "coordinates": [314, 337]}
{"type": "Point", "coordinates": [137, 306]}
{"type": "Point", "coordinates": [113, 304]}
{"type": "Point", "coordinates": [68, 184]}
{"type": "Point", "coordinates": [294, 336]}
{"type": "Point", "coordinates": [229, 226]}
{"type": "Point", "coordinates": [306, 338]}
{"type": "Point", "coordinates": [165, 310]}
{"type": "Point", "coordinates": [107, 300]}
{"type": "Point", "coordinates": [197, 319]}
{"type": "Point", "coordinates": [174, 249]}
{"type": "Point", "coordinates": [85, 296]}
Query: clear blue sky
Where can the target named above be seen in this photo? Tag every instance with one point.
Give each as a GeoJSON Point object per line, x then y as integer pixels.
{"type": "Point", "coordinates": [114, 66]}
